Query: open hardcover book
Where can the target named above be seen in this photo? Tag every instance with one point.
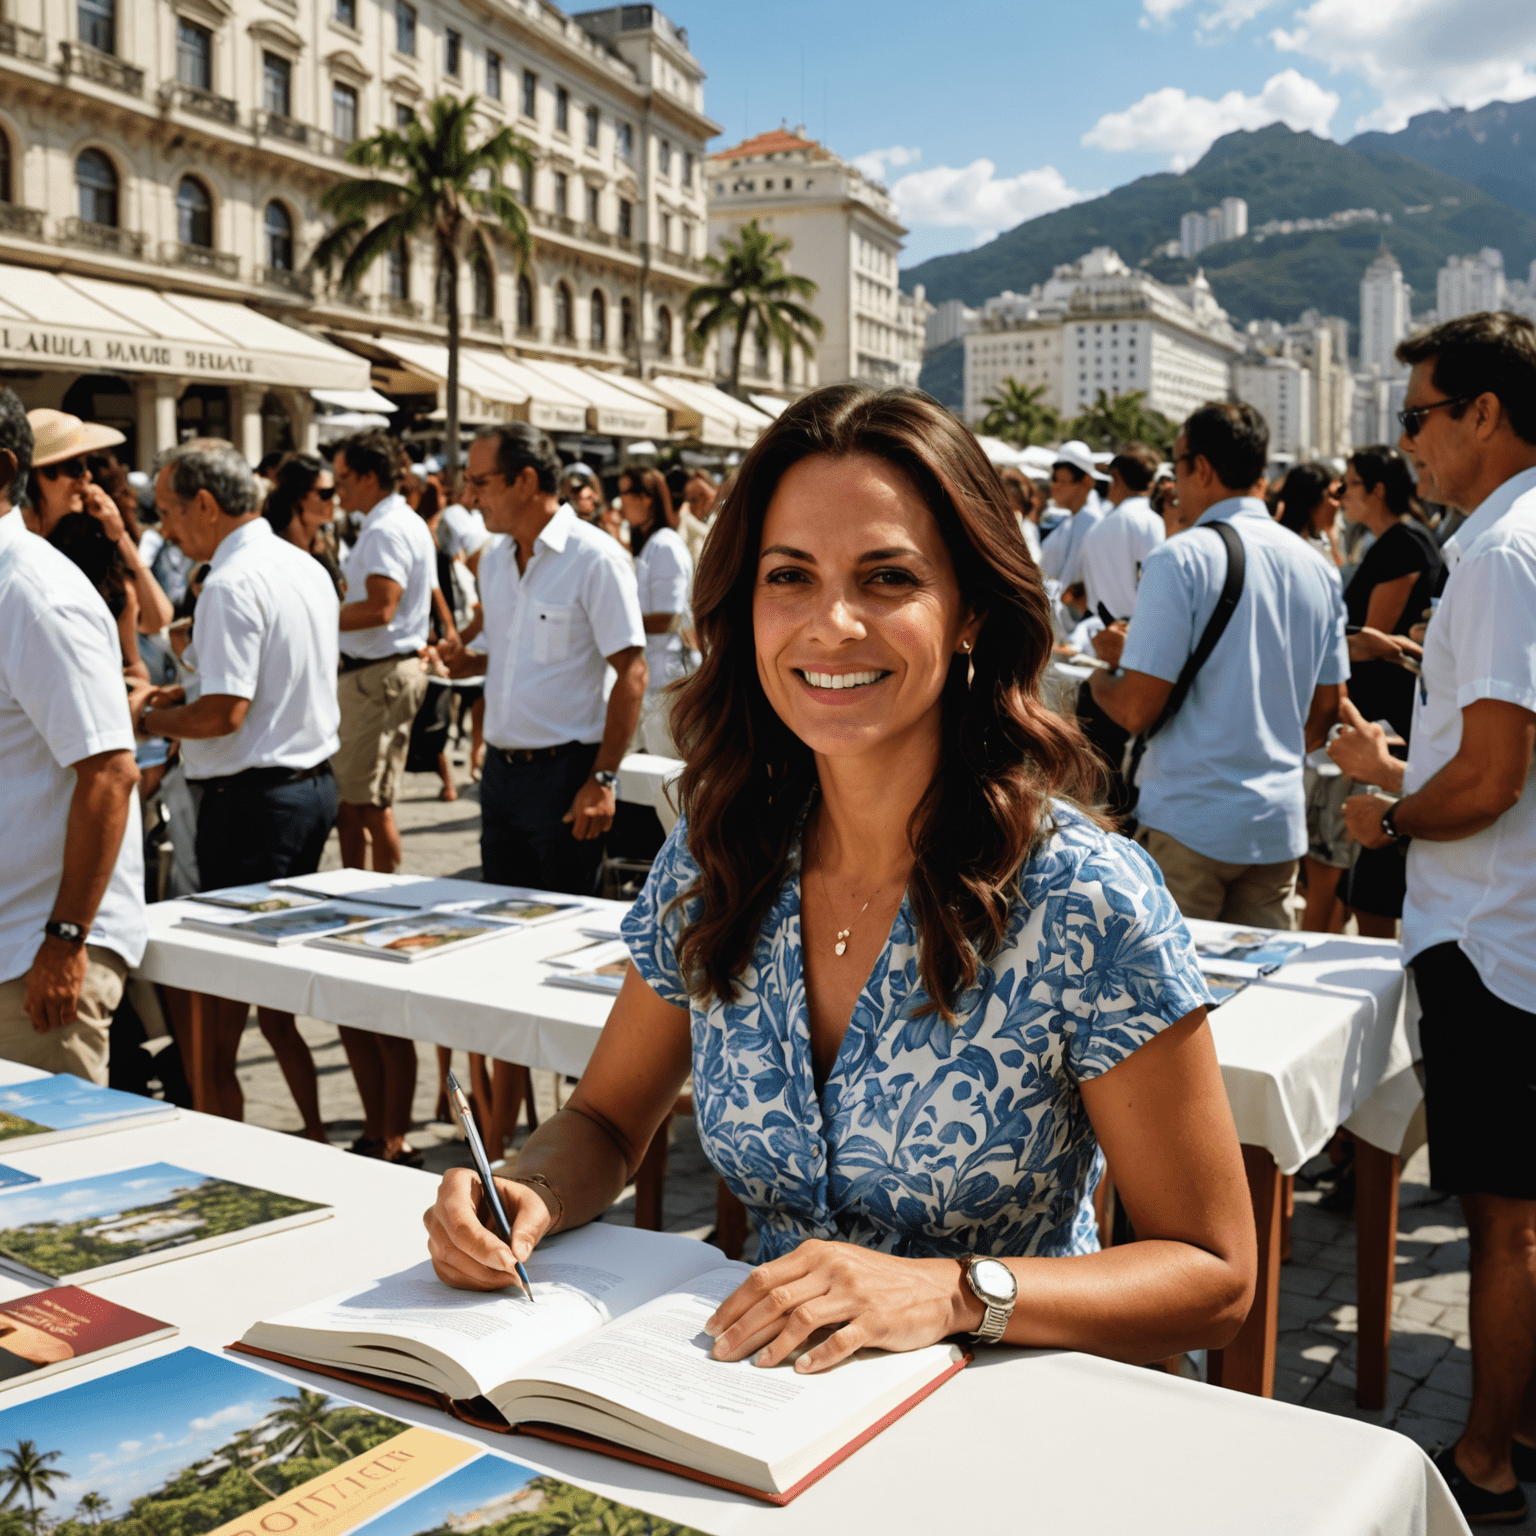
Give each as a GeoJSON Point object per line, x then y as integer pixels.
{"type": "Point", "coordinates": [611, 1355]}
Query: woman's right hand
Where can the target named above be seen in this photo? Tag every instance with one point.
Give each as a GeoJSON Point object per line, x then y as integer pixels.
{"type": "Point", "coordinates": [466, 1251]}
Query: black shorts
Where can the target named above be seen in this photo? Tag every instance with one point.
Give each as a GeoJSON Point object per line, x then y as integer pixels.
{"type": "Point", "coordinates": [1479, 1080]}
{"type": "Point", "coordinates": [1377, 882]}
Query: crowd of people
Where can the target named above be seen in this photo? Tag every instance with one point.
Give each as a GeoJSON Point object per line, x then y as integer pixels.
{"type": "Point", "coordinates": [1323, 679]}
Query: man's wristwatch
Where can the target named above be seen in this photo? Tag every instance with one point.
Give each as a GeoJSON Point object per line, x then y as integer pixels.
{"type": "Point", "coordinates": [605, 778]}
{"type": "Point", "coordinates": [996, 1288]}
{"type": "Point", "coordinates": [64, 932]}
{"type": "Point", "coordinates": [1389, 824]}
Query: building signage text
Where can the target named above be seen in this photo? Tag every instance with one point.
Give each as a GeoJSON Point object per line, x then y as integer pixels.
{"type": "Point", "coordinates": [66, 347]}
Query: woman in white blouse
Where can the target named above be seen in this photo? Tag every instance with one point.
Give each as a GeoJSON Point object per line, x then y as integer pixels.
{"type": "Point", "coordinates": [664, 569]}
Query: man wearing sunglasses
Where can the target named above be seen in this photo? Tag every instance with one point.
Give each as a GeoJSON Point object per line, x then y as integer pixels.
{"type": "Point", "coordinates": [1468, 814]}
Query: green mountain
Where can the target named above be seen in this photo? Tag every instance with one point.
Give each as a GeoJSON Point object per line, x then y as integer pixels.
{"type": "Point", "coordinates": [1494, 148]}
{"type": "Point", "coordinates": [1284, 175]}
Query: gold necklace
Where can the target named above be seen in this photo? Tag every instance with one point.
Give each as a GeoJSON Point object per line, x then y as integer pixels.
{"type": "Point", "coordinates": [841, 947]}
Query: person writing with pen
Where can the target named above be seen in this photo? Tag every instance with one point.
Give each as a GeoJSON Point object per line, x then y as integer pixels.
{"type": "Point", "coordinates": [922, 992]}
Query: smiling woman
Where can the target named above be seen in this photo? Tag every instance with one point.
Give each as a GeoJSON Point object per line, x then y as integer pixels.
{"type": "Point", "coordinates": [917, 984]}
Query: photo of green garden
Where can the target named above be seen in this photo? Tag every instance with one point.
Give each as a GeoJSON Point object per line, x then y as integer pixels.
{"type": "Point", "coordinates": [67, 1229]}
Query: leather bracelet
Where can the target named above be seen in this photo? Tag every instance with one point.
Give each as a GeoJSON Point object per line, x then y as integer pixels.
{"type": "Point", "coordinates": [538, 1181]}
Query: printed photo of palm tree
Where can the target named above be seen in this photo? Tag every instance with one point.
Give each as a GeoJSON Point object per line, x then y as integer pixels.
{"type": "Point", "coordinates": [176, 1446]}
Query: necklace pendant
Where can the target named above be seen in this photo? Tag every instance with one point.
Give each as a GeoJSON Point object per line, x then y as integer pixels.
{"type": "Point", "coordinates": [841, 947]}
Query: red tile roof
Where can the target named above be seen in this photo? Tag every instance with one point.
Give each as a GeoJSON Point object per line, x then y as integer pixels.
{"type": "Point", "coordinates": [774, 142]}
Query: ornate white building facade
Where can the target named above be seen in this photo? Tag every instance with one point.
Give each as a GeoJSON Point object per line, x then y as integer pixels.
{"type": "Point", "coordinates": [181, 148]}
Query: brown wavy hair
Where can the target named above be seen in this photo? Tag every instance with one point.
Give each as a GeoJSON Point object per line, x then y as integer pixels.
{"type": "Point", "coordinates": [748, 778]}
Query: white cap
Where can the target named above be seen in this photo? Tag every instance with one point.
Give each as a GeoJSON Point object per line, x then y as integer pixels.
{"type": "Point", "coordinates": [1081, 457]}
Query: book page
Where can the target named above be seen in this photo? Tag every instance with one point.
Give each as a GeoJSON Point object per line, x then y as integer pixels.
{"type": "Point", "coordinates": [656, 1363]}
{"type": "Point", "coordinates": [581, 1280]}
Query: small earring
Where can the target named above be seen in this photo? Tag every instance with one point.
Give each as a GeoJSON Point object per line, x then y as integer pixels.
{"type": "Point", "coordinates": [965, 645]}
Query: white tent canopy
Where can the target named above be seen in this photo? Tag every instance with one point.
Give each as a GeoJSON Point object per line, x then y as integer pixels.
{"type": "Point", "coordinates": [48, 319]}
{"type": "Point", "coordinates": [611, 411]}
{"type": "Point", "coordinates": [368, 401]}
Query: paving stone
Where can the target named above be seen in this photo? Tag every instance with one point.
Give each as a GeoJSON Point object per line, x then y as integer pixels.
{"type": "Point", "coordinates": [1435, 1404]}
{"type": "Point", "coordinates": [1452, 1374]}
{"type": "Point", "coordinates": [1337, 1257]}
{"type": "Point", "coordinates": [1299, 1311]}
{"type": "Point", "coordinates": [1412, 1308]}
{"type": "Point", "coordinates": [1430, 1433]}
{"type": "Point", "coordinates": [1450, 1289]}
{"type": "Point", "coordinates": [1305, 1279]}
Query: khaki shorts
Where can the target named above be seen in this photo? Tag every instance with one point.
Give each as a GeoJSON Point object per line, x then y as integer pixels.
{"type": "Point", "coordinates": [1328, 839]}
{"type": "Point", "coordinates": [81, 1047]}
{"type": "Point", "coordinates": [378, 703]}
{"type": "Point", "coordinates": [1251, 895]}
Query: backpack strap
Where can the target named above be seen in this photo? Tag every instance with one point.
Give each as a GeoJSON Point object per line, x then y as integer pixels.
{"type": "Point", "coordinates": [1221, 616]}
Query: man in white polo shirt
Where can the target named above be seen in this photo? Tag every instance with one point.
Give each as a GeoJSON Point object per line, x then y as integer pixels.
{"type": "Point", "coordinates": [72, 870]}
{"type": "Point", "coordinates": [1221, 805]}
{"type": "Point", "coordinates": [1468, 813]}
{"type": "Point", "coordinates": [1075, 482]}
{"type": "Point", "coordinates": [257, 737]}
{"type": "Point", "coordinates": [391, 576]}
{"type": "Point", "coordinates": [563, 649]}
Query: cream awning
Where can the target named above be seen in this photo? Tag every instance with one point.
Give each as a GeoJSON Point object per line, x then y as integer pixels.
{"type": "Point", "coordinates": [611, 411]}
{"type": "Point", "coordinates": [493, 387]}
{"type": "Point", "coordinates": [49, 319]}
{"type": "Point", "coordinates": [680, 417]}
{"type": "Point", "coordinates": [769, 405]}
{"type": "Point", "coordinates": [745, 423]}
{"type": "Point", "coordinates": [368, 401]}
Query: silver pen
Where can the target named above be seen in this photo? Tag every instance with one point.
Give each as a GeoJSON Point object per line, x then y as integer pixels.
{"type": "Point", "coordinates": [466, 1122]}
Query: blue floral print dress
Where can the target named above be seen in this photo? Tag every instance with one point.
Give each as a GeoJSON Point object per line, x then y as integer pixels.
{"type": "Point", "coordinates": [932, 1138]}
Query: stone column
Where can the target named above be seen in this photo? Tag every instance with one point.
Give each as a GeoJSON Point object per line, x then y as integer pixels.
{"type": "Point", "coordinates": [301, 417]}
{"type": "Point", "coordinates": [245, 420]}
{"type": "Point", "coordinates": [156, 396]}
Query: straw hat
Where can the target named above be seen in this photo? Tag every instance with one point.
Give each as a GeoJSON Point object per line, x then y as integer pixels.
{"type": "Point", "coordinates": [1081, 457]}
{"type": "Point", "coordinates": [57, 436]}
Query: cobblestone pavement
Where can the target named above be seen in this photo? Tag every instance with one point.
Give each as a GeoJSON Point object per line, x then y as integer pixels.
{"type": "Point", "coordinates": [1431, 1363]}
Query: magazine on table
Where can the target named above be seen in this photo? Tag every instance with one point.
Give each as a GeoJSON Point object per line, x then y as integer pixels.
{"type": "Point", "coordinates": [419, 895]}
{"type": "Point", "coordinates": [327, 884]}
{"type": "Point", "coordinates": [253, 899]}
{"type": "Point", "coordinates": [597, 968]}
{"type": "Point", "coordinates": [611, 1354]}
{"type": "Point", "coordinates": [65, 1108]}
{"type": "Point", "coordinates": [281, 928]}
{"type": "Point", "coordinates": [1223, 988]}
{"type": "Point", "coordinates": [249, 1452]}
{"type": "Point", "coordinates": [87, 1229]}
{"type": "Point", "coordinates": [1242, 952]}
{"type": "Point", "coordinates": [419, 936]}
{"type": "Point", "coordinates": [50, 1331]}
{"type": "Point", "coordinates": [527, 909]}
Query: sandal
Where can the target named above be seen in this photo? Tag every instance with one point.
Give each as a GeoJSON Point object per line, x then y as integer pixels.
{"type": "Point", "coordinates": [407, 1157]}
{"type": "Point", "coordinates": [1479, 1505]}
{"type": "Point", "coordinates": [368, 1146]}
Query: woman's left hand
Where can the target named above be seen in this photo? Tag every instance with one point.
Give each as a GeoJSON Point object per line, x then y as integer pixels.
{"type": "Point", "coordinates": [873, 1300]}
{"type": "Point", "coordinates": [104, 510]}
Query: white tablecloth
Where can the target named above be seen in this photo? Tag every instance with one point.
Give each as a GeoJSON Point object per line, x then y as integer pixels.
{"type": "Point", "coordinates": [645, 779]}
{"type": "Point", "coordinates": [1140, 1452]}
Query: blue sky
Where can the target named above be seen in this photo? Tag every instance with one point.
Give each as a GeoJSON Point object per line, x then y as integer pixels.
{"type": "Point", "coordinates": [979, 116]}
{"type": "Point", "coordinates": [482, 1481]}
{"type": "Point", "coordinates": [104, 1194]}
{"type": "Point", "coordinates": [124, 1434]}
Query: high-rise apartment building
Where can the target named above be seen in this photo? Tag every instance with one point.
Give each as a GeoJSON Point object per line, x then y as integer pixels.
{"type": "Point", "coordinates": [1467, 285]}
{"type": "Point", "coordinates": [1384, 314]}
{"type": "Point", "coordinates": [1228, 222]}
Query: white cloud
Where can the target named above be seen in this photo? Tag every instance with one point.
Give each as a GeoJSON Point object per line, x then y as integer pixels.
{"type": "Point", "coordinates": [1420, 55]}
{"type": "Point", "coordinates": [1232, 14]}
{"type": "Point", "coordinates": [1185, 126]}
{"type": "Point", "coordinates": [234, 1414]}
{"type": "Point", "coordinates": [1155, 12]}
{"type": "Point", "coordinates": [875, 162]}
{"type": "Point", "coordinates": [975, 195]}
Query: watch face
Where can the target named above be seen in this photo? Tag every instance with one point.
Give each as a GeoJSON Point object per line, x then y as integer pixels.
{"type": "Point", "coordinates": [993, 1281]}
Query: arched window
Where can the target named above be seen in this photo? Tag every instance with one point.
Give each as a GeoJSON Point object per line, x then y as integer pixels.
{"type": "Point", "coordinates": [6, 195]}
{"type": "Point", "coordinates": [96, 178]}
{"type": "Point", "coordinates": [626, 323]}
{"type": "Point", "coordinates": [194, 213]}
{"type": "Point", "coordinates": [562, 312]}
{"type": "Point", "coordinates": [279, 227]}
{"type": "Point", "coordinates": [484, 284]}
{"type": "Point", "coordinates": [664, 331]}
{"type": "Point", "coordinates": [524, 304]}
{"type": "Point", "coordinates": [599, 333]}
{"type": "Point", "coordinates": [397, 274]}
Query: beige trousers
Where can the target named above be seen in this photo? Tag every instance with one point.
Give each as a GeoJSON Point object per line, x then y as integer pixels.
{"type": "Point", "coordinates": [1252, 895]}
{"type": "Point", "coordinates": [81, 1047]}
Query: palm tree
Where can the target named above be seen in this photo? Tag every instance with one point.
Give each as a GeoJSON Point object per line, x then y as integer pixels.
{"type": "Point", "coordinates": [30, 1471]}
{"type": "Point", "coordinates": [241, 1449]}
{"type": "Point", "coordinates": [1019, 415]}
{"type": "Point", "coordinates": [92, 1504]}
{"type": "Point", "coordinates": [1111, 424]}
{"type": "Point", "coordinates": [430, 180]}
{"type": "Point", "coordinates": [307, 1413]}
{"type": "Point", "coordinates": [750, 290]}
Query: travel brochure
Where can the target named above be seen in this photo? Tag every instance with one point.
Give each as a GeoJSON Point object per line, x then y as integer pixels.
{"type": "Point", "coordinates": [65, 1108]}
{"type": "Point", "coordinates": [193, 1441]}
{"type": "Point", "coordinates": [10, 1176]}
{"type": "Point", "coordinates": [1245, 953]}
{"type": "Point", "coordinates": [86, 1229]}
{"type": "Point", "coordinates": [256, 898]}
{"type": "Point", "coordinates": [50, 1331]}
{"type": "Point", "coordinates": [282, 928]}
{"type": "Point", "coordinates": [598, 967]}
{"type": "Point", "coordinates": [413, 938]}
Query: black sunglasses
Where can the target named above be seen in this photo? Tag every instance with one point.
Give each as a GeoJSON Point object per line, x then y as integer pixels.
{"type": "Point", "coordinates": [71, 469]}
{"type": "Point", "coordinates": [325, 492]}
{"type": "Point", "coordinates": [1412, 418]}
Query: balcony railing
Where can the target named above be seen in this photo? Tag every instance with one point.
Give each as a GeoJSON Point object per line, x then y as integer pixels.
{"type": "Point", "coordinates": [103, 68]}
{"type": "Point", "coordinates": [275, 125]}
{"type": "Point", "coordinates": [177, 253]}
{"type": "Point", "coordinates": [300, 284]}
{"type": "Point", "coordinates": [350, 298]}
{"type": "Point", "coordinates": [406, 309]}
{"type": "Point", "coordinates": [22, 43]}
{"type": "Point", "coordinates": [201, 103]}
{"type": "Point", "coordinates": [677, 259]}
{"type": "Point", "coordinates": [21, 221]}
{"type": "Point", "coordinates": [486, 325]}
{"type": "Point", "coordinates": [102, 237]}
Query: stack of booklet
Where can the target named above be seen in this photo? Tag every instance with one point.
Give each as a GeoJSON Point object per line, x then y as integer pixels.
{"type": "Point", "coordinates": [65, 1108]}
{"type": "Point", "coordinates": [405, 920]}
{"type": "Point", "coordinates": [611, 1355]}
{"type": "Point", "coordinates": [1231, 958]}
{"type": "Point", "coordinates": [194, 1441]}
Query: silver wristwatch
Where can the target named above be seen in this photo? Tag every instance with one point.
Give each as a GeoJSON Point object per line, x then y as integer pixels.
{"type": "Point", "coordinates": [605, 778]}
{"type": "Point", "coordinates": [996, 1288]}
